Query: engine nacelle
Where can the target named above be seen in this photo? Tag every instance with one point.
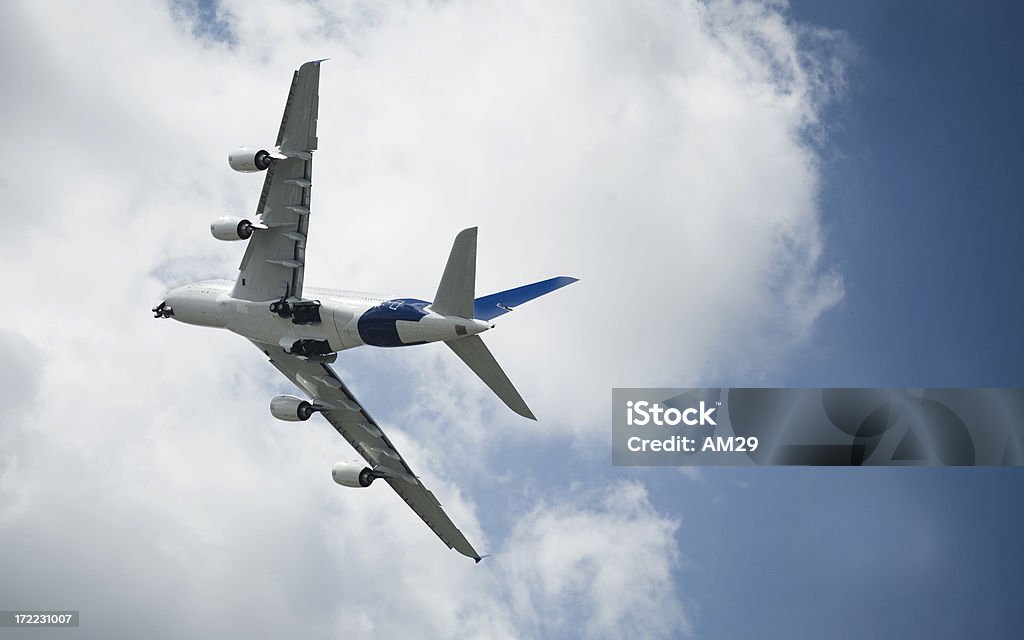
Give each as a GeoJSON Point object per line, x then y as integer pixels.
{"type": "Point", "coordinates": [231, 228]}
{"type": "Point", "coordinates": [246, 160]}
{"type": "Point", "coordinates": [353, 474]}
{"type": "Point", "coordinates": [290, 408]}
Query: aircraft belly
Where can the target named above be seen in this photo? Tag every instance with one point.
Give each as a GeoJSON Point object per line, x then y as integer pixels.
{"type": "Point", "coordinates": [337, 320]}
{"type": "Point", "coordinates": [255, 321]}
{"type": "Point", "coordinates": [348, 332]}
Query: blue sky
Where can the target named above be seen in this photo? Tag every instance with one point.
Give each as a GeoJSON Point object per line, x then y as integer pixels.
{"type": "Point", "coordinates": [921, 203]}
{"type": "Point", "coordinates": [921, 198]}
{"type": "Point", "coordinates": [858, 553]}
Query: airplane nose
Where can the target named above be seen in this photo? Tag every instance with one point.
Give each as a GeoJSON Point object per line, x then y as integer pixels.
{"type": "Point", "coordinates": [163, 310]}
{"type": "Point", "coordinates": [192, 304]}
{"type": "Point", "coordinates": [166, 307]}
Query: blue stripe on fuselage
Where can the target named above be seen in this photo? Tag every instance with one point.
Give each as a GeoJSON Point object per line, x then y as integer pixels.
{"type": "Point", "coordinates": [377, 325]}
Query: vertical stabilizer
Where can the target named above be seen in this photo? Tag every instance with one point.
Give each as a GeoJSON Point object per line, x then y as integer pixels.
{"type": "Point", "coordinates": [458, 284]}
{"type": "Point", "coordinates": [474, 353]}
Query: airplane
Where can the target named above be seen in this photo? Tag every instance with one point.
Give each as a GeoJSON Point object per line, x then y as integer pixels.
{"type": "Point", "coordinates": [301, 329]}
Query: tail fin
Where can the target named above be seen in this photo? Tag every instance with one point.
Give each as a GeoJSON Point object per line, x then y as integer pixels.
{"type": "Point", "coordinates": [474, 353]}
{"type": "Point", "coordinates": [455, 298]}
{"type": "Point", "coordinates": [455, 293]}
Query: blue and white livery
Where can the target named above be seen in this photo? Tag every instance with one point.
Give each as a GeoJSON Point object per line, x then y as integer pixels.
{"type": "Point", "coordinates": [302, 329]}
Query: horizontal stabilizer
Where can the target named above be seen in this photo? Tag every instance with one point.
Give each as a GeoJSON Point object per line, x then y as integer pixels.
{"type": "Point", "coordinates": [497, 304]}
{"type": "Point", "coordinates": [474, 353]}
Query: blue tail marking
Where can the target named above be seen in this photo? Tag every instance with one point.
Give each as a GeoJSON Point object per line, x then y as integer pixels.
{"type": "Point", "coordinates": [497, 304]}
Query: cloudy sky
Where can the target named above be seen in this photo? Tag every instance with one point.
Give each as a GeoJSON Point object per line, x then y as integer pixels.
{"type": "Point", "coordinates": [751, 194]}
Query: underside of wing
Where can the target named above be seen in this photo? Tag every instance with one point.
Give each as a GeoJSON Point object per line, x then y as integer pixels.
{"type": "Point", "coordinates": [337, 404]}
{"type": "Point", "coordinates": [274, 261]}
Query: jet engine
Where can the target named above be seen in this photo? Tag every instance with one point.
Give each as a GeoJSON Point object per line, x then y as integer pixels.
{"type": "Point", "coordinates": [231, 228]}
{"type": "Point", "coordinates": [290, 408]}
{"type": "Point", "coordinates": [246, 160]}
{"type": "Point", "coordinates": [353, 474]}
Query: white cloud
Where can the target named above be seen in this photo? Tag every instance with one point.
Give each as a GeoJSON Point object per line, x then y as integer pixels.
{"type": "Point", "coordinates": [603, 572]}
{"type": "Point", "coordinates": [657, 150]}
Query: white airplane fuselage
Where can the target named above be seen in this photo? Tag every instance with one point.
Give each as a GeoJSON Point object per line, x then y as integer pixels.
{"type": "Point", "coordinates": [344, 319]}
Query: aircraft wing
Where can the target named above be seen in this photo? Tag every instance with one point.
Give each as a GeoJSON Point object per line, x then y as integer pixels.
{"type": "Point", "coordinates": [354, 424]}
{"type": "Point", "coordinates": [274, 262]}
